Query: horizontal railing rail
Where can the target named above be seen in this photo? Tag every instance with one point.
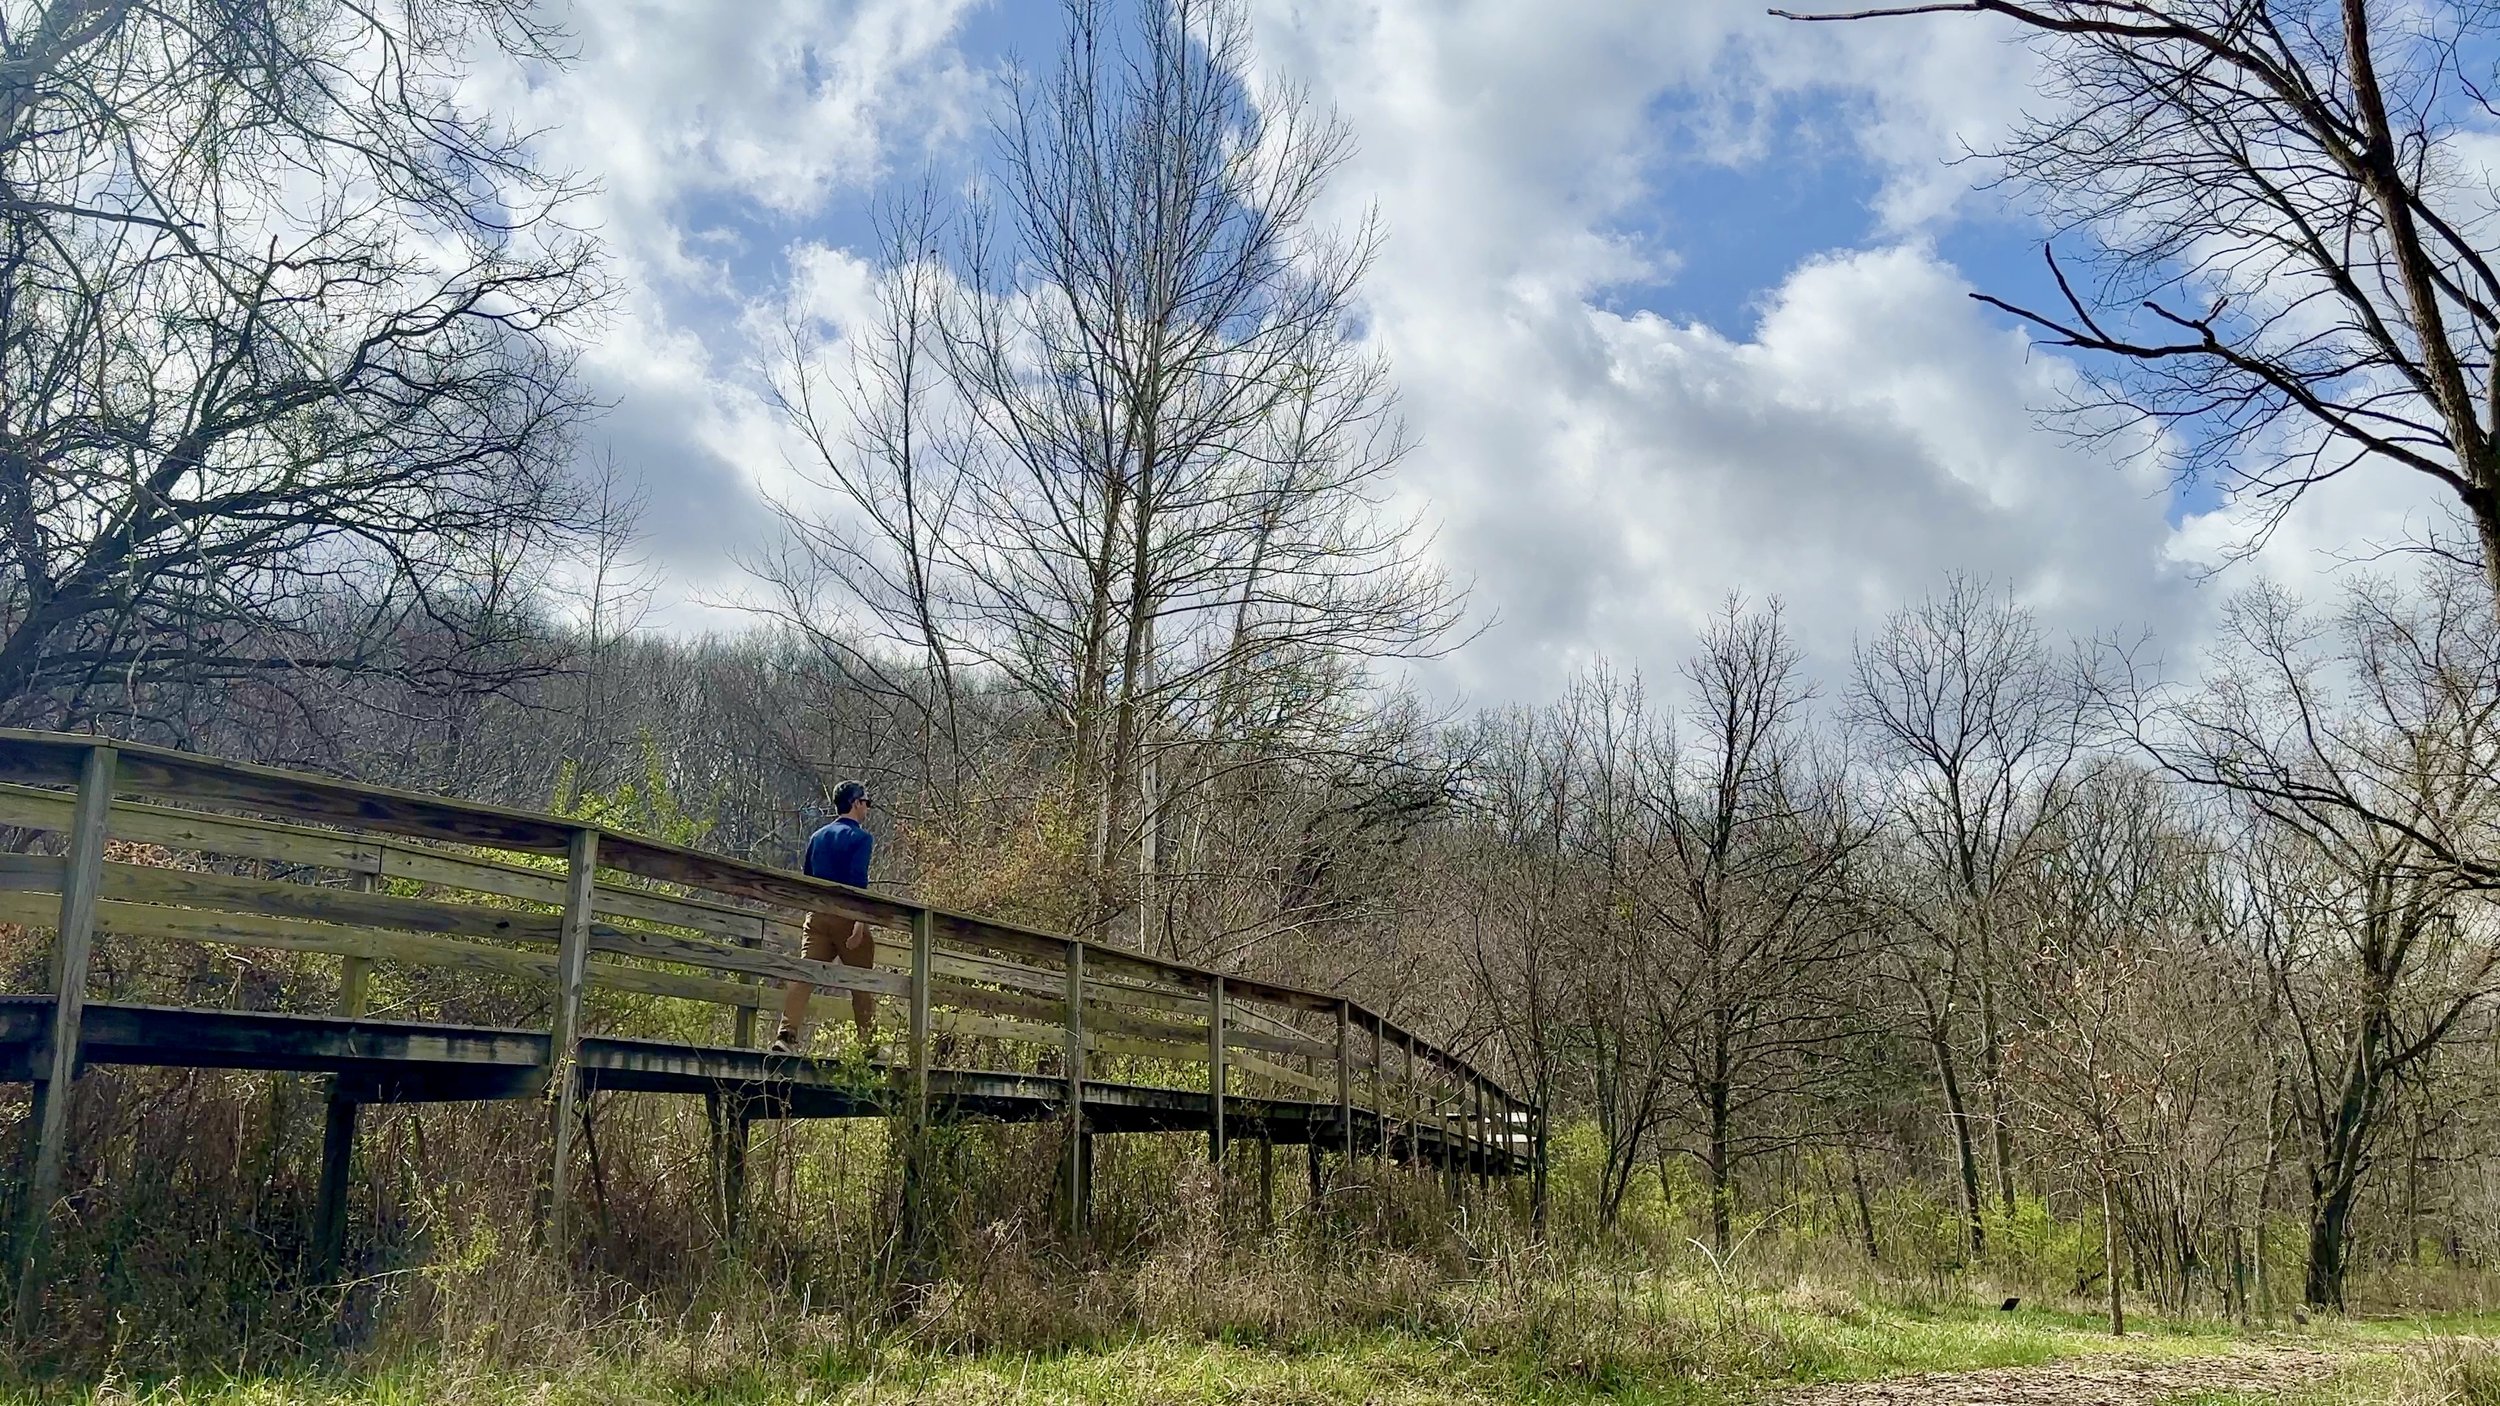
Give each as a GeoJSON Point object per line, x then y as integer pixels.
{"type": "Point", "coordinates": [562, 907]}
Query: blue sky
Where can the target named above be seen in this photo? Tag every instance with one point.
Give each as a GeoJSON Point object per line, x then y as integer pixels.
{"type": "Point", "coordinates": [1676, 298]}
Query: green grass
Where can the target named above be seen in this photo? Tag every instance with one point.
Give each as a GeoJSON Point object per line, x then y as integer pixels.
{"type": "Point", "coordinates": [1706, 1352]}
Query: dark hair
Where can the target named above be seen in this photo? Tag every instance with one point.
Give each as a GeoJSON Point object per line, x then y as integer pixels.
{"type": "Point", "coordinates": [848, 794]}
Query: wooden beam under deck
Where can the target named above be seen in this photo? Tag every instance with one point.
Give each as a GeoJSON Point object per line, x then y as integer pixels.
{"type": "Point", "coordinates": [390, 1061]}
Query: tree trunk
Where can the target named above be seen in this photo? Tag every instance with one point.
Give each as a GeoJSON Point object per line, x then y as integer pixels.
{"type": "Point", "coordinates": [2486, 505]}
{"type": "Point", "coordinates": [2001, 1144]}
{"type": "Point", "coordinates": [1129, 704]}
{"type": "Point", "coordinates": [1992, 1069]}
{"type": "Point", "coordinates": [1959, 1116]}
{"type": "Point", "coordinates": [2330, 1218]}
{"type": "Point", "coordinates": [1721, 1212]}
{"type": "Point", "coordinates": [2109, 1260]}
{"type": "Point", "coordinates": [1866, 1213]}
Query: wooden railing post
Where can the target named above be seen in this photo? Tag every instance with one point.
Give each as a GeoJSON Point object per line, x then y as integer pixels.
{"type": "Point", "coordinates": [923, 940]}
{"type": "Point", "coordinates": [564, 1030]}
{"type": "Point", "coordinates": [1483, 1137]}
{"type": "Point", "coordinates": [1077, 1189]}
{"type": "Point", "coordinates": [732, 1113]}
{"type": "Point", "coordinates": [72, 945]}
{"type": "Point", "coordinates": [919, 1249]}
{"type": "Point", "coordinates": [1345, 1087]}
{"type": "Point", "coordinates": [356, 973]}
{"type": "Point", "coordinates": [1497, 1129]}
{"type": "Point", "coordinates": [1409, 1107]}
{"type": "Point", "coordinates": [1380, 1107]}
{"type": "Point", "coordinates": [1215, 1072]}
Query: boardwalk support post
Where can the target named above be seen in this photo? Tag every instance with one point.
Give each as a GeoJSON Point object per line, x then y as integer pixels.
{"type": "Point", "coordinates": [731, 1115]}
{"type": "Point", "coordinates": [72, 945]}
{"type": "Point", "coordinates": [923, 934]}
{"type": "Point", "coordinates": [338, 1124]}
{"type": "Point", "coordinates": [729, 1119]}
{"type": "Point", "coordinates": [1215, 1073]}
{"type": "Point", "coordinates": [564, 1033]}
{"type": "Point", "coordinates": [1078, 1192]}
{"type": "Point", "coordinates": [338, 1153]}
{"type": "Point", "coordinates": [1267, 1182]}
{"type": "Point", "coordinates": [919, 1252]}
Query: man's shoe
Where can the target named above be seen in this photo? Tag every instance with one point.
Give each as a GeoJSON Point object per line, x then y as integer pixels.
{"type": "Point", "coordinates": [781, 1046]}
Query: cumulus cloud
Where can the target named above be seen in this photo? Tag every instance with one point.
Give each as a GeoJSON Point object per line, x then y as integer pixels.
{"type": "Point", "coordinates": [1871, 433]}
{"type": "Point", "coordinates": [1606, 479]}
{"type": "Point", "coordinates": [1604, 476]}
{"type": "Point", "coordinates": [712, 145]}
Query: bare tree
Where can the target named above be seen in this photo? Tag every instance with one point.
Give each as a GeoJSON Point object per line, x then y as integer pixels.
{"type": "Point", "coordinates": [2136, 1024]}
{"type": "Point", "coordinates": [1127, 457]}
{"type": "Point", "coordinates": [876, 587]}
{"type": "Point", "coordinates": [1624, 1015]}
{"type": "Point", "coordinates": [1745, 900]}
{"type": "Point", "coordinates": [278, 323]}
{"type": "Point", "coordinates": [2367, 749]}
{"type": "Point", "coordinates": [1962, 706]}
{"type": "Point", "coordinates": [2288, 241]}
{"type": "Point", "coordinates": [1517, 895]}
{"type": "Point", "coordinates": [610, 598]}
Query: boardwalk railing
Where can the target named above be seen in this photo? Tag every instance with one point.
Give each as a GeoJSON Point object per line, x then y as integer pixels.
{"type": "Point", "coordinates": [596, 928]}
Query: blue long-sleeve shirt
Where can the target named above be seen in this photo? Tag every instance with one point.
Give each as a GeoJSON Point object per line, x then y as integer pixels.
{"type": "Point", "coordinates": [839, 852]}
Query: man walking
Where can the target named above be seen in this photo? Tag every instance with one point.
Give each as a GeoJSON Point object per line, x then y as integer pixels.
{"type": "Point", "coordinates": [838, 852]}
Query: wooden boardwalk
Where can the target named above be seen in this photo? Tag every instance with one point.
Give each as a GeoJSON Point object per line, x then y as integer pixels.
{"type": "Point", "coordinates": [601, 930]}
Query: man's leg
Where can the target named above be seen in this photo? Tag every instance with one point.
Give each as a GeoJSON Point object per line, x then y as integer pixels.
{"type": "Point", "coordinates": [817, 945]}
{"type": "Point", "coordinates": [859, 949]}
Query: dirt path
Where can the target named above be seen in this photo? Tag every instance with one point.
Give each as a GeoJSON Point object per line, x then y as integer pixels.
{"type": "Point", "coordinates": [2092, 1381]}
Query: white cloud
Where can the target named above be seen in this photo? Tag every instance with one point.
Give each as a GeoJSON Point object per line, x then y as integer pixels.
{"type": "Point", "coordinates": [1871, 434]}
{"type": "Point", "coordinates": [1604, 478]}
{"type": "Point", "coordinates": [1607, 479]}
{"type": "Point", "coordinates": [778, 104]}
{"type": "Point", "coordinates": [701, 123]}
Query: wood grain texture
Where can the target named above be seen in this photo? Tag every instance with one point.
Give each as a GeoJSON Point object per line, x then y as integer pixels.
{"type": "Point", "coordinates": [274, 898]}
{"type": "Point", "coordinates": [1291, 1078]}
{"type": "Point", "coordinates": [242, 837]}
{"type": "Point", "coordinates": [73, 937]}
{"type": "Point", "coordinates": [348, 827]}
{"type": "Point", "coordinates": [776, 966]}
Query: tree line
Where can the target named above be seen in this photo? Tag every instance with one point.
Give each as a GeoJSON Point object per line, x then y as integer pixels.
{"type": "Point", "coordinates": [2020, 921]}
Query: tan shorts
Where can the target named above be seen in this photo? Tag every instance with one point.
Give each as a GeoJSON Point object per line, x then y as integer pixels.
{"type": "Point", "coordinates": [833, 938]}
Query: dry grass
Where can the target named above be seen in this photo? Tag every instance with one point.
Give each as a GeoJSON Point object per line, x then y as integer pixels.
{"type": "Point", "coordinates": [185, 1284]}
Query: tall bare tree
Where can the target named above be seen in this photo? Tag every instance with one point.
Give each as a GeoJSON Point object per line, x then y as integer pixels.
{"type": "Point", "coordinates": [1746, 903]}
{"type": "Point", "coordinates": [2368, 748]}
{"type": "Point", "coordinates": [1160, 509]}
{"type": "Point", "coordinates": [1972, 720]}
{"type": "Point", "coordinates": [279, 329]}
{"type": "Point", "coordinates": [2136, 1022]}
